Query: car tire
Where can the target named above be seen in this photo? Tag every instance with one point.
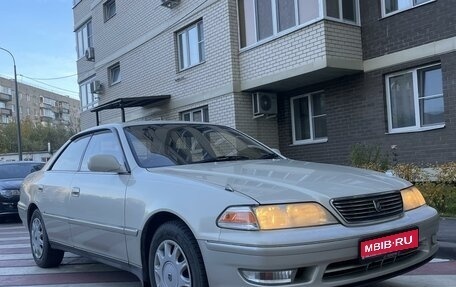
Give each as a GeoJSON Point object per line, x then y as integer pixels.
{"type": "Point", "coordinates": [175, 258]}
{"type": "Point", "coordinates": [44, 255]}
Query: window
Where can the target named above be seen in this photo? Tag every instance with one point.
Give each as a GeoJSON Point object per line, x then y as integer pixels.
{"type": "Point", "coordinates": [394, 6]}
{"type": "Point", "coordinates": [344, 10]}
{"type": "Point", "coordinates": [47, 113]}
{"type": "Point", "coordinates": [415, 99]}
{"type": "Point", "coordinates": [5, 90]}
{"type": "Point", "coordinates": [104, 142]}
{"type": "Point", "coordinates": [70, 158]}
{"type": "Point", "coordinates": [308, 118]}
{"type": "Point", "coordinates": [114, 74]}
{"type": "Point", "coordinates": [191, 45]}
{"type": "Point", "coordinates": [109, 8]}
{"type": "Point", "coordinates": [4, 119]}
{"type": "Point", "coordinates": [84, 38]}
{"type": "Point", "coordinates": [88, 100]}
{"type": "Point", "coordinates": [262, 19]}
{"type": "Point", "coordinates": [196, 115]}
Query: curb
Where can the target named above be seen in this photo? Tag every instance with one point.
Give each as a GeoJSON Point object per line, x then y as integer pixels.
{"type": "Point", "coordinates": [446, 237]}
{"type": "Point", "coordinates": [447, 250]}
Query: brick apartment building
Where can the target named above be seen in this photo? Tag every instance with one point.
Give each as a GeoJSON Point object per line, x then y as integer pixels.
{"type": "Point", "coordinates": [311, 77]}
{"type": "Point", "coordinates": [37, 105]}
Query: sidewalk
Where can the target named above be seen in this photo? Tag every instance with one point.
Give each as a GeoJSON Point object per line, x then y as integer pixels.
{"type": "Point", "coordinates": [447, 238]}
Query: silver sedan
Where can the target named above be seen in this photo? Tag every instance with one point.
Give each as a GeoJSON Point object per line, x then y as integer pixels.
{"type": "Point", "coordinates": [194, 204]}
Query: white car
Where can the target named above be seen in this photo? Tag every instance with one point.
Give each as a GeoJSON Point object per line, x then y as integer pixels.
{"type": "Point", "coordinates": [195, 204]}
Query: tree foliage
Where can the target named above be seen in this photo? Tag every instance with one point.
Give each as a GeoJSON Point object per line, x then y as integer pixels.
{"type": "Point", "coordinates": [34, 137]}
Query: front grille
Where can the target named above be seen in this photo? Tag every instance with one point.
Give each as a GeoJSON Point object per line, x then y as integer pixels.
{"type": "Point", "coordinates": [356, 267]}
{"type": "Point", "coordinates": [368, 208]}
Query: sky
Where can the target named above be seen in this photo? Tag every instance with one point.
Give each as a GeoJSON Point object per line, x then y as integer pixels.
{"type": "Point", "coordinates": [39, 34]}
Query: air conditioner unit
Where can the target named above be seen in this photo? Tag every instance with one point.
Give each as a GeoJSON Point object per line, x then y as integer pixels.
{"type": "Point", "coordinates": [264, 103]}
{"type": "Point", "coordinates": [90, 54]}
{"type": "Point", "coordinates": [170, 3]}
{"type": "Point", "coordinates": [96, 87]}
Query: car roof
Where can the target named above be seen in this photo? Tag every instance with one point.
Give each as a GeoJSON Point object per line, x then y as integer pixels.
{"type": "Point", "coordinates": [140, 123]}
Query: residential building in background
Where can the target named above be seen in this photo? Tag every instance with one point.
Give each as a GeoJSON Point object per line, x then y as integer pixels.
{"type": "Point", "coordinates": [310, 77]}
{"type": "Point", "coordinates": [38, 105]}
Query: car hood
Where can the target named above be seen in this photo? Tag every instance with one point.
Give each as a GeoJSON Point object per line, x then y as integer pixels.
{"type": "Point", "coordinates": [11, 183]}
{"type": "Point", "coordinates": [284, 180]}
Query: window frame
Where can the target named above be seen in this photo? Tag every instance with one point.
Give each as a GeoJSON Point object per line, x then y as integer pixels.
{"type": "Point", "coordinates": [312, 139]}
{"type": "Point", "coordinates": [109, 9]}
{"type": "Point", "coordinates": [413, 5]}
{"type": "Point", "coordinates": [204, 113]}
{"type": "Point", "coordinates": [86, 39]}
{"type": "Point", "coordinates": [200, 45]}
{"type": "Point", "coordinates": [341, 13]}
{"type": "Point", "coordinates": [418, 127]}
{"type": "Point", "coordinates": [84, 140]}
{"type": "Point", "coordinates": [111, 74]}
{"type": "Point", "coordinates": [322, 14]}
{"type": "Point", "coordinates": [85, 105]}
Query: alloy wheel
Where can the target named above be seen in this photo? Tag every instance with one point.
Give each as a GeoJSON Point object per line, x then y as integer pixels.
{"type": "Point", "coordinates": [171, 266]}
{"type": "Point", "coordinates": [37, 238]}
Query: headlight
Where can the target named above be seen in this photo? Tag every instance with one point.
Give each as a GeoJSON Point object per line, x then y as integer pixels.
{"type": "Point", "coordinates": [270, 217]}
{"type": "Point", "coordinates": [412, 198]}
{"type": "Point", "coordinates": [8, 193]}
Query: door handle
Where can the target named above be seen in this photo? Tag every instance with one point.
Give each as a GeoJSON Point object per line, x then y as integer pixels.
{"type": "Point", "coordinates": [40, 188]}
{"type": "Point", "coordinates": [75, 191]}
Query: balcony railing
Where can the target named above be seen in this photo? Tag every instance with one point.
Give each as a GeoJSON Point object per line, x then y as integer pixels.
{"type": "Point", "coordinates": [6, 112]}
{"type": "Point", "coordinates": [5, 97]}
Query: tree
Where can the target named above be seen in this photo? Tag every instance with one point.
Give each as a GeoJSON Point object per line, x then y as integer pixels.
{"type": "Point", "coordinates": [35, 137]}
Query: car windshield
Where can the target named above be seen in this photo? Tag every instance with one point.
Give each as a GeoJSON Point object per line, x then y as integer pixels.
{"type": "Point", "coordinates": [18, 170]}
{"type": "Point", "coordinates": [178, 144]}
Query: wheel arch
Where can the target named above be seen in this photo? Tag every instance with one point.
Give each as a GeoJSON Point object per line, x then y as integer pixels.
{"type": "Point", "coordinates": [30, 210]}
{"type": "Point", "coordinates": [151, 226]}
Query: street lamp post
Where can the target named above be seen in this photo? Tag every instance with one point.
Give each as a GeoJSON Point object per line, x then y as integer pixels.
{"type": "Point", "coordinates": [18, 120]}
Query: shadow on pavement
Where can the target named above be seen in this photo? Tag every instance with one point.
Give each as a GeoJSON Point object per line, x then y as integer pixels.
{"type": "Point", "coordinates": [8, 219]}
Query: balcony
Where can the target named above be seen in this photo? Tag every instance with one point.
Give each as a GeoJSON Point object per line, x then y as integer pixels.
{"type": "Point", "coordinates": [63, 110]}
{"type": "Point", "coordinates": [46, 118]}
{"type": "Point", "coordinates": [5, 112]}
{"type": "Point", "coordinates": [5, 97]}
{"type": "Point", "coordinates": [319, 52]}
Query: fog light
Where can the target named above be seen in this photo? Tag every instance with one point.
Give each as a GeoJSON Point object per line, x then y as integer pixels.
{"type": "Point", "coordinates": [269, 277]}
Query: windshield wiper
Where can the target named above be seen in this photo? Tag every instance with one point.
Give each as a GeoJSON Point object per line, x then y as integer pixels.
{"type": "Point", "coordinates": [224, 158]}
{"type": "Point", "coordinates": [269, 156]}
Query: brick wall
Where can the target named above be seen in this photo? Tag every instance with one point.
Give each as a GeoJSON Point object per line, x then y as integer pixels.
{"type": "Point", "coordinates": [356, 113]}
{"type": "Point", "coordinates": [304, 46]}
{"type": "Point", "coordinates": [263, 129]}
{"type": "Point", "coordinates": [151, 68]}
{"type": "Point", "coordinates": [423, 24]}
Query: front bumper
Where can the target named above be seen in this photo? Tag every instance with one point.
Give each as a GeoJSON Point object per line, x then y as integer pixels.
{"type": "Point", "coordinates": [8, 208]}
{"type": "Point", "coordinates": [322, 256]}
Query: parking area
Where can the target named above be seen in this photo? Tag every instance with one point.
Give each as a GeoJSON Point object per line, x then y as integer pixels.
{"type": "Point", "coordinates": [17, 268]}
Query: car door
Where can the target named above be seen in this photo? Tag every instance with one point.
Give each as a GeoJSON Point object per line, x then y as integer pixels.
{"type": "Point", "coordinates": [96, 204]}
{"type": "Point", "coordinates": [52, 191]}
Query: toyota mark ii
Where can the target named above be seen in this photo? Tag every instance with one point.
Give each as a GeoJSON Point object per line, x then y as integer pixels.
{"type": "Point", "coordinates": [195, 204]}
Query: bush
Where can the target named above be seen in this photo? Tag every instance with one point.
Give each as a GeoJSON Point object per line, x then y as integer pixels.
{"type": "Point", "coordinates": [369, 157]}
{"type": "Point", "coordinates": [437, 183]}
{"type": "Point", "coordinates": [437, 186]}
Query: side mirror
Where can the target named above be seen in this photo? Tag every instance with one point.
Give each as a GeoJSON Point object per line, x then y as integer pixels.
{"type": "Point", "coordinates": [105, 163]}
